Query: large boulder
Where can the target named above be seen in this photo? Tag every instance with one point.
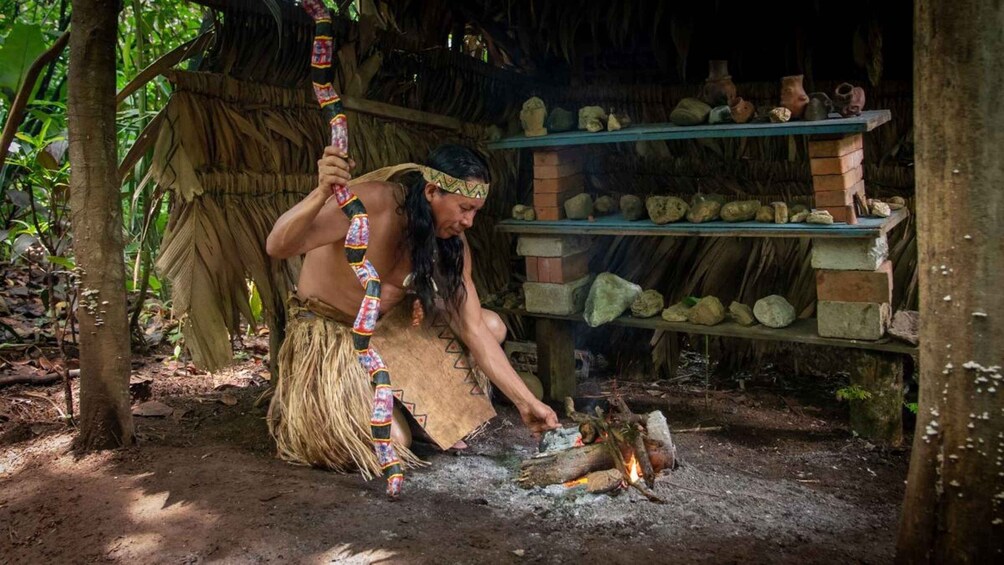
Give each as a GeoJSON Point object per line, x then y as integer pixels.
{"type": "Point", "coordinates": [608, 298]}
{"type": "Point", "coordinates": [665, 209]}
{"type": "Point", "coordinates": [707, 312]}
{"type": "Point", "coordinates": [774, 311]}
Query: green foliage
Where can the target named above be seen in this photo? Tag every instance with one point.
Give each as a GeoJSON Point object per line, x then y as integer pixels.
{"type": "Point", "coordinates": [853, 392]}
{"type": "Point", "coordinates": [911, 406]}
{"type": "Point", "coordinates": [23, 44]}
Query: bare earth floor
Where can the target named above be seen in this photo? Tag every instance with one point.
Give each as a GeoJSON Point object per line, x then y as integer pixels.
{"type": "Point", "coordinates": [779, 482]}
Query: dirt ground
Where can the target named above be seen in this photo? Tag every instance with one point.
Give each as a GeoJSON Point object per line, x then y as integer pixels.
{"type": "Point", "coordinates": [781, 480]}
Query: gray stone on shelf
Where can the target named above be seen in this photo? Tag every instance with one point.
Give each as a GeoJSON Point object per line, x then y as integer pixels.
{"type": "Point", "coordinates": [740, 211]}
{"type": "Point", "coordinates": [632, 207]}
{"type": "Point", "coordinates": [648, 304]}
{"type": "Point", "coordinates": [774, 311]}
{"type": "Point", "coordinates": [665, 209]}
{"type": "Point", "coordinates": [579, 207]}
{"type": "Point", "coordinates": [608, 298]}
{"type": "Point", "coordinates": [676, 312]}
{"type": "Point", "coordinates": [707, 312]}
{"type": "Point", "coordinates": [741, 314]}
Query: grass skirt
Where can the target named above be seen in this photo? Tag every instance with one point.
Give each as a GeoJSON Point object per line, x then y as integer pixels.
{"type": "Point", "coordinates": [320, 411]}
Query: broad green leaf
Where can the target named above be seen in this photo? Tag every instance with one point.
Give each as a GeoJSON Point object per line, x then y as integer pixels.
{"type": "Point", "coordinates": [23, 45]}
{"type": "Point", "coordinates": [64, 262]}
{"type": "Point", "coordinates": [255, 303]}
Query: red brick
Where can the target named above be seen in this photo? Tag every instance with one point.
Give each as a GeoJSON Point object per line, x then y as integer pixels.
{"type": "Point", "coordinates": [834, 198]}
{"type": "Point", "coordinates": [837, 165]}
{"type": "Point", "coordinates": [856, 286]}
{"type": "Point", "coordinates": [563, 269]}
{"type": "Point", "coordinates": [836, 147]}
{"type": "Point", "coordinates": [556, 171]}
{"type": "Point", "coordinates": [556, 157]}
{"type": "Point", "coordinates": [558, 185]}
{"type": "Point", "coordinates": [549, 212]}
{"type": "Point", "coordinates": [548, 199]}
{"type": "Point", "coordinates": [531, 269]}
{"type": "Point", "coordinates": [844, 214]}
{"type": "Point", "coordinates": [823, 183]}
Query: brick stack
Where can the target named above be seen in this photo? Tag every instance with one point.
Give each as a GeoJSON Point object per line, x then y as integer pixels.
{"type": "Point", "coordinates": [557, 176]}
{"type": "Point", "coordinates": [837, 175]}
{"type": "Point", "coordinates": [853, 286]}
{"type": "Point", "coordinates": [557, 270]}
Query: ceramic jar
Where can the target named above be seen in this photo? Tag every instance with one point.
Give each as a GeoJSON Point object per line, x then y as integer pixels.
{"type": "Point", "coordinates": [793, 95]}
{"type": "Point", "coordinates": [849, 99]}
{"type": "Point", "coordinates": [719, 90]}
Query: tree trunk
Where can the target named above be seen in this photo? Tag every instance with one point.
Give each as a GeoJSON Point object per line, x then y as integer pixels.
{"type": "Point", "coordinates": [96, 219]}
{"type": "Point", "coordinates": [954, 506]}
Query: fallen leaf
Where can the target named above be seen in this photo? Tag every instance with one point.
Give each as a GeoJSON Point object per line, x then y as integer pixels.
{"type": "Point", "coordinates": [229, 400]}
{"type": "Point", "coordinates": [152, 409]}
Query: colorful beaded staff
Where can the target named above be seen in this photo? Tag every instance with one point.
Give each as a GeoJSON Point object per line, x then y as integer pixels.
{"type": "Point", "coordinates": [356, 242]}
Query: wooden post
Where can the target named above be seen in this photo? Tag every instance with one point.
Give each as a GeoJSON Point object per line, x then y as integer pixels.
{"type": "Point", "coordinates": [556, 358]}
{"type": "Point", "coordinates": [880, 416]}
{"type": "Point", "coordinates": [953, 511]}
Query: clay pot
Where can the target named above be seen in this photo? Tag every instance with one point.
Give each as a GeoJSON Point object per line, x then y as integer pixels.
{"type": "Point", "coordinates": [719, 90]}
{"type": "Point", "coordinates": [793, 95]}
{"type": "Point", "coordinates": [849, 99]}
{"type": "Point", "coordinates": [742, 110]}
{"type": "Point", "coordinates": [819, 107]}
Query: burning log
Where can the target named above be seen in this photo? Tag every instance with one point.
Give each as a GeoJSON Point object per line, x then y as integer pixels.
{"type": "Point", "coordinates": [563, 466]}
{"type": "Point", "coordinates": [626, 445]}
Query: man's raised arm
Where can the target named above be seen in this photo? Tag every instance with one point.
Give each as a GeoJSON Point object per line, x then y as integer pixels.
{"type": "Point", "coordinates": [312, 223]}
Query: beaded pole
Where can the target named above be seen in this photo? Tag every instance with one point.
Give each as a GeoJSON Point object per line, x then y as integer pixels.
{"type": "Point", "coordinates": [356, 242]}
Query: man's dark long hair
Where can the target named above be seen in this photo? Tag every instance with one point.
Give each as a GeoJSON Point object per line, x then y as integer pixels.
{"type": "Point", "coordinates": [432, 257]}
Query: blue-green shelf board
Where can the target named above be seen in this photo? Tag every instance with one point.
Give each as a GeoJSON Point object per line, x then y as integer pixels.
{"type": "Point", "coordinates": [866, 122]}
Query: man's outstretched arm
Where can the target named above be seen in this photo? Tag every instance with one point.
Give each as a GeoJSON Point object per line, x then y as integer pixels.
{"type": "Point", "coordinates": [492, 360]}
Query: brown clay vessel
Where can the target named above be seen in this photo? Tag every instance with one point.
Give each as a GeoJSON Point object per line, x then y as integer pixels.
{"type": "Point", "coordinates": [849, 99]}
{"type": "Point", "coordinates": [742, 110]}
{"type": "Point", "coordinates": [719, 90]}
{"type": "Point", "coordinates": [793, 95]}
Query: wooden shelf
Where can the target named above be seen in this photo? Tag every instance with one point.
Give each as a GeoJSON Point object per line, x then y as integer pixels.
{"type": "Point", "coordinates": [836, 125]}
{"type": "Point", "coordinates": [617, 225]}
{"type": "Point", "coordinates": [801, 331]}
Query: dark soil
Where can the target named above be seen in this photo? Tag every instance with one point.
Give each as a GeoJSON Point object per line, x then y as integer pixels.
{"type": "Point", "coordinates": [782, 480]}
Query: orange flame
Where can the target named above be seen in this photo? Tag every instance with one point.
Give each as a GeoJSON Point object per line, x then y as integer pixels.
{"type": "Point", "coordinates": [634, 469]}
{"type": "Point", "coordinates": [576, 482]}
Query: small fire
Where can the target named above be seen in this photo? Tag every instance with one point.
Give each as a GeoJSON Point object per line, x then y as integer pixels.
{"type": "Point", "coordinates": [576, 482]}
{"type": "Point", "coordinates": [634, 469]}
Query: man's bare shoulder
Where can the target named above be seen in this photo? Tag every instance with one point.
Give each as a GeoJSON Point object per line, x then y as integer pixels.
{"type": "Point", "coordinates": [379, 197]}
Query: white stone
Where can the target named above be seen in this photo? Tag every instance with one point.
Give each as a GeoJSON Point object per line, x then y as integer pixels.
{"type": "Point", "coordinates": [852, 320]}
{"type": "Point", "coordinates": [551, 246]}
{"type": "Point", "coordinates": [849, 254]}
{"type": "Point", "coordinates": [553, 298]}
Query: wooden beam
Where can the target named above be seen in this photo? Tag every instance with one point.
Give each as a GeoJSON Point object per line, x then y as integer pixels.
{"type": "Point", "coordinates": [393, 112]}
{"type": "Point", "coordinates": [556, 358]}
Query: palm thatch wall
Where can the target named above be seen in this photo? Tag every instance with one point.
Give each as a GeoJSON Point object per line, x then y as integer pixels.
{"type": "Point", "coordinates": [238, 146]}
{"type": "Point", "coordinates": [247, 127]}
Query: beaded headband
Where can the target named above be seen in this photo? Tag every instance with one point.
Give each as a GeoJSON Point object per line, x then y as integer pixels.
{"type": "Point", "coordinates": [471, 189]}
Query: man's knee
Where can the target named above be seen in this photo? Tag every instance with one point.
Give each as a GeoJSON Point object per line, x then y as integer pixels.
{"type": "Point", "coordinates": [495, 325]}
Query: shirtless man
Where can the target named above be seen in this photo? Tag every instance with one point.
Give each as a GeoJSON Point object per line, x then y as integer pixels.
{"type": "Point", "coordinates": [417, 245]}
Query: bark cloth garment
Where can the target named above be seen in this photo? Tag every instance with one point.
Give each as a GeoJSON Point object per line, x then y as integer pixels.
{"type": "Point", "coordinates": [320, 412]}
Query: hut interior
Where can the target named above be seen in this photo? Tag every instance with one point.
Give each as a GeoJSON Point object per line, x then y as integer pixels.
{"type": "Point", "coordinates": [238, 142]}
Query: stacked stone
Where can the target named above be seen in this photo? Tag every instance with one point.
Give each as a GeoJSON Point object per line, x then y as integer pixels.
{"type": "Point", "coordinates": [557, 176]}
{"type": "Point", "coordinates": [837, 175]}
{"type": "Point", "coordinates": [557, 270]}
{"type": "Point", "coordinates": [853, 287]}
